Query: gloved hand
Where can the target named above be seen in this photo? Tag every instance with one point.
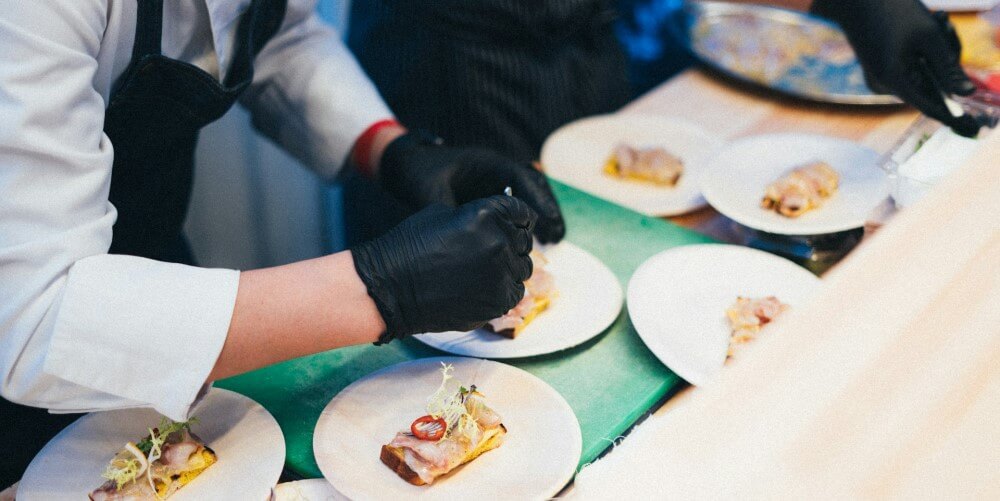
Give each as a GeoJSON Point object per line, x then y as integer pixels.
{"type": "Point", "coordinates": [446, 268]}
{"type": "Point", "coordinates": [904, 49]}
{"type": "Point", "coordinates": [418, 170]}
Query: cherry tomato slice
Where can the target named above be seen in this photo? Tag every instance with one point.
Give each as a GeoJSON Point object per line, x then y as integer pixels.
{"type": "Point", "coordinates": [428, 428]}
{"type": "Point", "coordinates": [993, 82]}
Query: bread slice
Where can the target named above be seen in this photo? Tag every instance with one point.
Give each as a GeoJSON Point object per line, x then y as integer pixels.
{"type": "Point", "coordinates": [507, 333]}
{"type": "Point", "coordinates": [197, 464]}
{"type": "Point", "coordinates": [394, 458]}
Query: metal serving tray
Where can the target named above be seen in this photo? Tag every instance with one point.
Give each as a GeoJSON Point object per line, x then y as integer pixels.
{"type": "Point", "coordinates": [789, 52]}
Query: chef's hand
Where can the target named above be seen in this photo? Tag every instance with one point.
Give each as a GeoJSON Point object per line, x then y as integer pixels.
{"type": "Point", "coordinates": [904, 49]}
{"type": "Point", "coordinates": [417, 169]}
{"type": "Point", "coordinates": [446, 268]}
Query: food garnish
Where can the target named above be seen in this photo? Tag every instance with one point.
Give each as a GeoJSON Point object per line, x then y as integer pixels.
{"type": "Point", "coordinates": [449, 404]}
{"type": "Point", "coordinates": [156, 466]}
{"type": "Point", "coordinates": [429, 428]}
{"type": "Point", "coordinates": [458, 427]}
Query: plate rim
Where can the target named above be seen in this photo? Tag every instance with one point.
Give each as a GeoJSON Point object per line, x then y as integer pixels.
{"type": "Point", "coordinates": [320, 483]}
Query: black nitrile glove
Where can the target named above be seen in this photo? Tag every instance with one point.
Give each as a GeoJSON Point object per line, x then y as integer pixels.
{"type": "Point", "coordinates": [418, 170]}
{"type": "Point", "coordinates": [907, 51]}
{"type": "Point", "coordinates": [446, 268]}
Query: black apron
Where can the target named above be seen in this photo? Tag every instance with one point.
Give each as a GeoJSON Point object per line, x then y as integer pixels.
{"type": "Point", "coordinates": [496, 73]}
{"type": "Point", "coordinates": [153, 118]}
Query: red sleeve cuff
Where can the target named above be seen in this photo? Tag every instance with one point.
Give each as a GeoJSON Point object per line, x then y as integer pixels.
{"type": "Point", "coordinates": [362, 151]}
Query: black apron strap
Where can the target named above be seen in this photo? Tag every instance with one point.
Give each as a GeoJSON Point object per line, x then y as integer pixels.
{"type": "Point", "coordinates": [149, 29]}
{"type": "Point", "coordinates": [263, 21]}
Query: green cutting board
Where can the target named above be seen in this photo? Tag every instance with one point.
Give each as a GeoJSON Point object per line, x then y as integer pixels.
{"type": "Point", "coordinates": [610, 381]}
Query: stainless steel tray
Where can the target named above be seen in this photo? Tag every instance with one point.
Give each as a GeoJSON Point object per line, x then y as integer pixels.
{"type": "Point", "coordinates": [786, 51]}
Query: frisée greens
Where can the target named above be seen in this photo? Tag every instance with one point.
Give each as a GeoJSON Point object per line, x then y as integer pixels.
{"type": "Point", "coordinates": [449, 403]}
{"type": "Point", "coordinates": [134, 460]}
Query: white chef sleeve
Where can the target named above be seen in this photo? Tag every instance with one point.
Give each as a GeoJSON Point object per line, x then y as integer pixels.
{"type": "Point", "coordinates": [309, 94]}
{"type": "Point", "coordinates": [82, 330]}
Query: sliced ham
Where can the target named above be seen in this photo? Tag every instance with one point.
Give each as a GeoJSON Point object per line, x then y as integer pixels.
{"type": "Point", "coordinates": [541, 284]}
{"type": "Point", "coordinates": [176, 456]}
{"type": "Point", "coordinates": [654, 165]}
{"type": "Point", "coordinates": [133, 491]}
{"type": "Point", "coordinates": [430, 459]}
{"type": "Point", "coordinates": [426, 451]}
{"type": "Point", "coordinates": [485, 416]}
{"type": "Point", "coordinates": [801, 189]}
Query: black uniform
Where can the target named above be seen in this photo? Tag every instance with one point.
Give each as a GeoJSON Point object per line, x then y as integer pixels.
{"type": "Point", "coordinates": [501, 74]}
{"type": "Point", "coordinates": [496, 73]}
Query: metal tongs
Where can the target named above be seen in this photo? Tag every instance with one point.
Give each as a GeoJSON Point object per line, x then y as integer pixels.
{"type": "Point", "coordinates": [535, 244]}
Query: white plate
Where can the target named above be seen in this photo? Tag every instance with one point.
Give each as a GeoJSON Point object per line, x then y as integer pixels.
{"type": "Point", "coordinates": [677, 301]}
{"type": "Point", "coordinates": [589, 300]}
{"type": "Point", "coordinates": [537, 459]}
{"type": "Point", "coordinates": [739, 174]}
{"type": "Point", "coordinates": [575, 155]}
{"type": "Point", "coordinates": [246, 438]}
{"type": "Point", "coordinates": [961, 5]}
{"type": "Point", "coordinates": [314, 489]}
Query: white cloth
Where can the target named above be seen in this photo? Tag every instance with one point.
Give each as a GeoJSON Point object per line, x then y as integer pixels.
{"type": "Point", "coordinates": [84, 330]}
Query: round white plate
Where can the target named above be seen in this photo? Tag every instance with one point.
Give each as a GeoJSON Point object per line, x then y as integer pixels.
{"type": "Point", "coordinates": [537, 459]}
{"type": "Point", "coordinates": [739, 174]}
{"type": "Point", "coordinates": [314, 489]}
{"type": "Point", "coordinates": [246, 438]}
{"type": "Point", "coordinates": [677, 301]}
{"type": "Point", "coordinates": [588, 300]}
{"type": "Point", "coordinates": [575, 155]}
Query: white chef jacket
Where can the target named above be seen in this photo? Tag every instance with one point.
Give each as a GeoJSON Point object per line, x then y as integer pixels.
{"type": "Point", "coordinates": [83, 330]}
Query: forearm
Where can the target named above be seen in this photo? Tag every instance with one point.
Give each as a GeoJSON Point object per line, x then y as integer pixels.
{"type": "Point", "coordinates": [295, 310]}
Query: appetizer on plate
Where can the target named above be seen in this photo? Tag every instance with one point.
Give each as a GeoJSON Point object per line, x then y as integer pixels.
{"type": "Point", "coordinates": [169, 458]}
{"type": "Point", "coordinates": [651, 165]}
{"type": "Point", "coordinates": [539, 290]}
{"type": "Point", "coordinates": [802, 189]}
{"type": "Point", "coordinates": [747, 316]}
{"type": "Point", "coordinates": [458, 428]}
